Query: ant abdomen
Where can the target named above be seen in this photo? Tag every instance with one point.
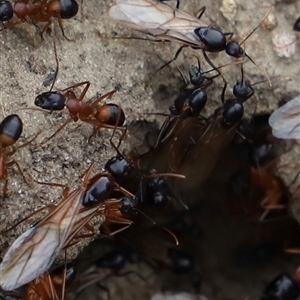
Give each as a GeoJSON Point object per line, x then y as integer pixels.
{"type": "Point", "coordinates": [10, 130]}
{"type": "Point", "coordinates": [233, 112]}
{"type": "Point", "coordinates": [68, 9]}
{"type": "Point", "coordinates": [110, 114]}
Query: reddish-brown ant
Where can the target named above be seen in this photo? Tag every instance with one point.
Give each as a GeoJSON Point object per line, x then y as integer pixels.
{"type": "Point", "coordinates": [61, 228]}
{"type": "Point", "coordinates": [10, 131]}
{"type": "Point", "coordinates": [108, 115]}
{"type": "Point", "coordinates": [38, 11]}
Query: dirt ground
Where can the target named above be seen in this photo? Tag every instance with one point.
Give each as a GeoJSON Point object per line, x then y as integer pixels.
{"type": "Point", "coordinates": [27, 62]}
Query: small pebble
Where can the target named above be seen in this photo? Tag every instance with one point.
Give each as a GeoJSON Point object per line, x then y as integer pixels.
{"type": "Point", "coordinates": [284, 43]}
{"type": "Point", "coordinates": [228, 9]}
{"type": "Point", "coordinates": [270, 22]}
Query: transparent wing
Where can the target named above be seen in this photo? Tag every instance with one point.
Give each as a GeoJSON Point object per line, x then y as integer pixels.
{"type": "Point", "coordinates": [35, 250]}
{"type": "Point", "coordinates": [285, 121]}
{"type": "Point", "coordinates": [156, 18]}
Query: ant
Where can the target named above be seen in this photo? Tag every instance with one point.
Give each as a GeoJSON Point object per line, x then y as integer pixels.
{"type": "Point", "coordinates": [67, 218]}
{"type": "Point", "coordinates": [10, 131]}
{"type": "Point", "coordinates": [214, 40]}
{"type": "Point", "coordinates": [38, 11]}
{"type": "Point", "coordinates": [152, 189]}
{"type": "Point", "coordinates": [106, 116]}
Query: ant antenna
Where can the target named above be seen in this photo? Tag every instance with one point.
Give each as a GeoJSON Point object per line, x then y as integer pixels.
{"type": "Point", "coordinates": [234, 49]}
{"type": "Point", "coordinates": [163, 227]}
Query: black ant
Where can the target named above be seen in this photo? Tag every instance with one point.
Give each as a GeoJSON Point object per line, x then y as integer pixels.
{"type": "Point", "coordinates": [38, 11]}
{"type": "Point", "coordinates": [10, 131]}
{"type": "Point", "coordinates": [214, 40]}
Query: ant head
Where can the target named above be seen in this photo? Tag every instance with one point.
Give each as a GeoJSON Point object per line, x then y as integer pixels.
{"type": "Point", "coordinates": [6, 11]}
{"type": "Point", "coordinates": [234, 49]}
{"type": "Point", "coordinates": [129, 205]}
{"type": "Point", "coordinates": [233, 112]}
{"type": "Point", "coordinates": [196, 76]}
{"type": "Point", "coordinates": [50, 101]}
{"type": "Point", "coordinates": [241, 89]}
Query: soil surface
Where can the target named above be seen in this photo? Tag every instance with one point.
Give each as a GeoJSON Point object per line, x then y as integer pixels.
{"type": "Point", "coordinates": [28, 63]}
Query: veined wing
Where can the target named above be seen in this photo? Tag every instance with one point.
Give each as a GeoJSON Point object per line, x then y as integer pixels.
{"type": "Point", "coordinates": [285, 121]}
{"type": "Point", "coordinates": [35, 250]}
{"type": "Point", "coordinates": [158, 19]}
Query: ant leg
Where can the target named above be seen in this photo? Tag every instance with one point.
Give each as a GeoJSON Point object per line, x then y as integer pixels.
{"type": "Point", "coordinates": [5, 188]}
{"type": "Point", "coordinates": [223, 91]}
{"type": "Point", "coordinates": [57, 131]}
{"type": "Point", "coordinates": [65, 188]}
{"type": "Point", "coordinates": [268, 208]}
{"type": "Point", "coordinates": [230, 34]}
{"type": "Point", "coordinates": [11, 25]}
{"type": "Point", "coordinates": [107, 95]}
{"type": "Point", "coordinates": [211, 63]}
{"type": "Point", "coordinates": [177, 2]}
{"type": "Point", "coordinates": [62, 29]}
{"type": "Point", "coordinates": [87, 83]}
{"type": "Point", "coordinates": [173, 59]}
{"type": "Point", "coordinates": [201, 12]}
{"type": "Point", "coordinates": [261, 70]}
{"type": "Point", "coordinates": [120, 139]}
{"type": "Point", "coordinates": [46, 27]}
{"type": "Point", "coordinates": [117, 274]}
{"type": "Point", "coordinates": [11, 163]}
{"type": "Point", "coordinates": [50, 206]}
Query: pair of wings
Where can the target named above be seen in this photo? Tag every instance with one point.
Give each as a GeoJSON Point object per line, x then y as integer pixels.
{"type": "Point", "coordinates": [33, 252]}
{"type": "Point", "coordinates": [158, 19]}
